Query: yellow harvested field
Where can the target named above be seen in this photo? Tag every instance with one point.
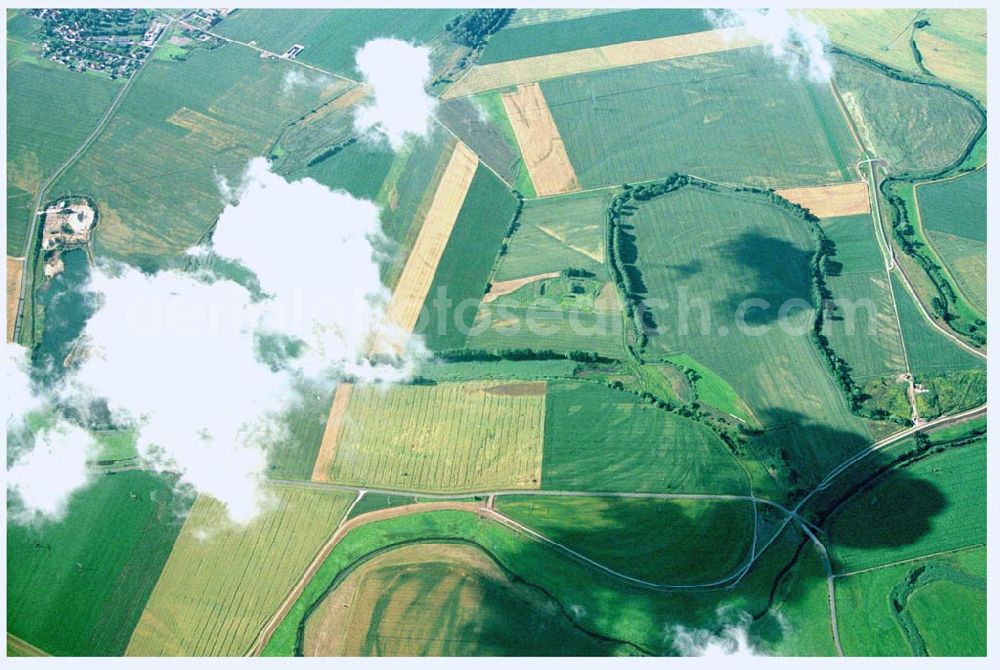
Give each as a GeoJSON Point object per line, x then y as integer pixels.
{"type": "Point", "coordinates": [538, 138]}
{"type": "Point", "coordinates": [831, 200]}
{"type": "Point", "coordinates": [418, 273]}
{"type": "Point", "coordinates": [448, 437]}
{"type": "Point", "coordinates": [15, 266]}
{"type": "Point", "coordinates": [334, 424]}
{"type": "Point", "coordinates": [500, 288]}
{"type": "Point", "coordinates": [538, 68]}
{"type": "Point", "coordinates": [223, 581]}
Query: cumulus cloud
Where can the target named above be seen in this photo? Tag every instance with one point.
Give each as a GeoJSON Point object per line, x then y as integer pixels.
{"type": "Point", "coordinates": [731, 640]}
{"type": "Point", "coordinates": [794, 40]}
{"type": "Point", "coordinates": [174, 355]}
{"type": "Point", "coordinates": [396, 71]}
{"type": "Point", "coordinates": [313, 252]}
{"type": "Point", "coordinates": [43, 477]}
{"type": "Point", "coordinates": [205, 367]}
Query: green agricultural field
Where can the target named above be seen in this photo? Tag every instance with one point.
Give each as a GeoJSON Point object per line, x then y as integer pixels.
{"type": "Point", "coordinates": [76, 587]}
{"type": "Point", "coordinates": [331, 36]}
{"type": "Point", "coordinates": [558, 233]}
{"type": "Point", "coordinates": [442, 438]}
{"type": "Point", "coordinates": [555, 234]}
{"type": "Point", "coordinates": [702, 255]}
{"type": "Point", "coordinates": [599, 439]}
{"type": "Point", "coordinates": [865, 618]}
{"type": "Point", "coordinates": [223, 581]}
{"type": "Point", "coordinates": [929, 351]}
{"type": "Point", "coordinates": [953, 216]}
{"type": "Point", "coordinates": [540, 39]}
{"type": "Point", "coordinates": [690, 115]}
{"type": "Point", "coordinates": [406, 194]}
{"type": "Point", "coordinates": [799, 624]}
{"type": "Point", "coordinates": [966, 262]}
{"type": "Point", "coordinates": [963, 608]}
{"type": "Point", "coordinates": [936, 504]}
{"type": "Point", "coordinates": [677, 542]}
{"type": "Point", "coordinates": [467, 261]}
{"type": "Point", "coordinates": [870, 626]}
{"type": "Point", "coordinates": [200, 120]}
{"type": "Point", "coordinates": [357, 169]}
{"type": "Point", "coordinates": [915, 127]}
{"type": "Point", "coordinates": [42, 129]}
{"type": "Point", "coordinates": [642, 621]}
{"type": "Point", "coordinates": [442, 600]}
{"type": "Point", "coordinates": [293, 455]}
{"type": "Point", "coordinates": [952, 45]}
{"type": "Point", "coordinates": [372, 502]}
{"type": "Point", "coordinates": [482, 124]}
{"type": "Point", "coordinates": [956, 206]}
{"type": "Point", "coordinates": [864, 331]}
{"type": "Point", "coordinates": [714, 390]}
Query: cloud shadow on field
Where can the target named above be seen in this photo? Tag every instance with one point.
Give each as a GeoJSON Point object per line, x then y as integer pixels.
{"type": "Point", "coordinates": [778, 272]}
{"type": "Point", "coordinates": [904, 505]}
{"type": "Point", "coordinates": [686, 270]}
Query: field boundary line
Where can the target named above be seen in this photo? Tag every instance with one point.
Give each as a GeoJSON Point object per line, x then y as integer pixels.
{"type": "Point", "coordinates": [265, 52]}
{"type": "Point", "coordinates": [904, 561]}
{"type": "Point", "coordinates": [451, 132]}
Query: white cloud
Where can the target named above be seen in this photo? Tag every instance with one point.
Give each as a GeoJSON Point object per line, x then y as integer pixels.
{"type": "Point", "coordinates": [175, 356]}
{"type": "Point", "coordinates": [731, 640]}
{"type": "Point", "coordinates": [44, 477]}
{"type": "Point", "coordinates": [397, 72]}
{"type": "Point", "coordinates": [794, 40]}
{"type": "Point", "coordinates": [313, 251]}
